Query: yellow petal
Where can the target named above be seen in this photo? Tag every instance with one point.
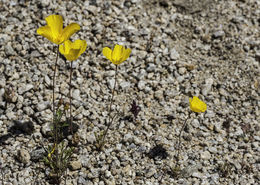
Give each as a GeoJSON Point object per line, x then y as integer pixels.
{"type": "Point", "coordinates": [72, 50]}
{"type": "Point", "coordinates": [82, 45]}
{"type": "Point", "coordinates": [55, 22]}
{"type": "Point", "coordinates": [68, 46]}
{"type": "Point", "coordinates": [197, 105]}
{"type": "Point", "coordinates": [107, 52]}
{"type": "Point", "coordinates": [126, 54]}
{"type": "Point", "coordinates": [117, 54]}
{"type": "Point", "coordinates": [73, 54]}
{"type": "Point", "coordinates": [62, 49]}
{"type": "Point", "coordinates": [45, 31]}
{"type": "Point", "coordinates": [70, 30]}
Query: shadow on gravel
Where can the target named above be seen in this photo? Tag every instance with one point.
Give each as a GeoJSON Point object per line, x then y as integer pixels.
{"type": "Point", "coordinates": [19, 127]}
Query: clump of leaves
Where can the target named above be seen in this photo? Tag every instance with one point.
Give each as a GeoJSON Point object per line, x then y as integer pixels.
{"type": "Point", "coordinates": [225, 169]}
{"type": "Point", "coordinates": [226, 125]}
{"type": "Point", "coordinates": [158, 152]}
{"type": "Point", "coordinates": [59, 153]}
{"type": "Point", "coordinates": [135, 109]}
{"type": "Point", "coordinates": [176, 171]}
{"type": "Point", "coordinates": [58, 160]}
{"type": "Point", "coordinates": [9, 94]}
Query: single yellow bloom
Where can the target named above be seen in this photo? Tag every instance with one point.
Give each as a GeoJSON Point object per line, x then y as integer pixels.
{"type": "Point", "coordinates": [118, 55]}
{"type": "Point", "coordinates": [72, 50]}
{"type": "Point", "coordinates": [197, 105]}
{"type": "Point", "coordinates": [54, 31]}
{"type": "Point", "coordinates": [50, 154]}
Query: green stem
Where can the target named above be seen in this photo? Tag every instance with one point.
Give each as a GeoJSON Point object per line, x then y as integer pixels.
{"type": "Point", "coordinates": [70, 99]}
{"type": "Point", "coordinates": [109, 112]}
{"type": "Point", "coordinates": [53, 107]}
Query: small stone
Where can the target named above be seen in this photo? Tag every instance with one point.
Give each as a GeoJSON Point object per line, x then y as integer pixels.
{"type": "Point", "coordinates": [10, 115]}
{"type": "Point", "coordinates": [76, 94]}
{"type": "Point", "coordinates": [35, 54]}
{"type": "Point", "coordinates": [141, 85]}
{"type": "Point", "coordinates": [92, 9]}
{"type": "Point", "coordinates": [45, 3]}
{"type": "Point", "coordinates": [180, 79]}
{"type": "Point", "coordinates": [111, 83]}
{"type": "Point", "coordinates": [195, 123]}
{"type": "Point", "coordinates": [205, 155]}
{"type": "Point", "coordinates": [150, 172]}
{"type": "Point", "coordinates": [213, 150]}
{"type": "Point", "coordinates": [151, 67]}
{"type": "Point", "coordinates": [9, 51]}
{"type": "Point", "coordinates": [46, 129]}
{"type": "Point", "coordinates": [47, 80]}
{"type": "Point", "coordinates": [38, 154]}
{"type": "Point", "coordinates": [174, 55]}
{"type": "Point", "coordinates": [90, 137]}
{"type": "Point", "coordinates": [197, 175]}
{"type": "Point", "coordinates": [43, 105]}
{"type": "Point", "coordinates": [218, 34]}
{"type": "Point", "coordinates": [23, 156]}
{"type": "Point", "coordinates": [24, 88]}
{"type": "Point", "coordinates": [125, 85]}
{"type": "Point", "coordinates": [182, 70]}
{"type": "Point", "coordinates": [75, 165]}
{"type": "Point", "coordinates": [207, 87]}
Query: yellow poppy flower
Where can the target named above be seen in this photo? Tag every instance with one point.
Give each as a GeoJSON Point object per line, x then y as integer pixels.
{"type": "Point", "coordinates": [118, 55]}
{"type": "Point", "coordinates": [54, 31]}
{"type": "Point", "coordinates": [196, 105]}
{"type": "Point", "coordinates": [72, 50]}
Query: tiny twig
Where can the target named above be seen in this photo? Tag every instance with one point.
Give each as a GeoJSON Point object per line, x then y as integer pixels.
{"type": "Point", "coordinates": [53, 104]}
{"type": "Point", "coordinates": [109, 112]}
{"type": "Point", "coordinates": [70, 99]}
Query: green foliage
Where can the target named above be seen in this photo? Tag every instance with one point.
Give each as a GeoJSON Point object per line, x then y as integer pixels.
{"type": "Point", "coordinates": [59, 153]}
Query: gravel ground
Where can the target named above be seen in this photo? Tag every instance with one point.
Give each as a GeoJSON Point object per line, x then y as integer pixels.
{"type": "Point", "coordinates": [180, 49]}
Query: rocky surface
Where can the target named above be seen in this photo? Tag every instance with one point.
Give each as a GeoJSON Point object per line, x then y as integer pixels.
{"type": "Point", "coordinates": [180, 49]}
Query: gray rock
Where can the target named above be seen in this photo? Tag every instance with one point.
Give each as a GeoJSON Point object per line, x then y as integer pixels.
{"type": "Point", "coordinates": [24, 88]}
{"type": "Point", "coordinates": [46, 129]}
{"type": "Point", "coordinates": [219, 34]}
{"type": "Point", "coordinates": [9, 51]}
{"type": "Point", "coordinates": [90, 137]}
{"type": "Point", "coordinates": [35, 53]}
{"type": "Point", "coordinates": [205, 155]}
{"type": "Point", "coordinates": [47, 80]}
{"type": "Point", "coordinates": [111, 83]}
{"type": "Point", "coordinates": [28, 110]}
{"type": "Point", "coordinates": [23, 156]}
{"type": "Point", "coordinates": [141, 85]}
{"type": "Point", "coordinates": [174, 55]}
{"type": "Point", "coordinates": [213, 150]}
{"type": "Point", "coordinates": [207, 87]}
{"type": "Point", "coordinates": [151, 67]}
{"type": "Point", "coordinates": [76, 94]}
{"type": "Point", "coordinates": [10, 115]}
{"type": "Point", "coordinates": [150, 172]}
{"type": "Point", "coordinates": [43, 105]}
{"type": "Point", "coordinates": [75, 165]}
{"type": "Point", "coordinates": [38, 154]}
{"type": "Point", "coordinates": [125, 85]}
{"type": "Point", "coordinates": [182, 70]}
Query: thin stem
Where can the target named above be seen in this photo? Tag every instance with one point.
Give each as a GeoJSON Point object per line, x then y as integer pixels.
{"type": "Point", "coordinates": [179, 142]}
{"type": "Point", "coordinates": [109, 111]}
{"type": "Point", "coordinates": [70, 99]}
{"type": "Point", "coordinates": [53, 103]}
